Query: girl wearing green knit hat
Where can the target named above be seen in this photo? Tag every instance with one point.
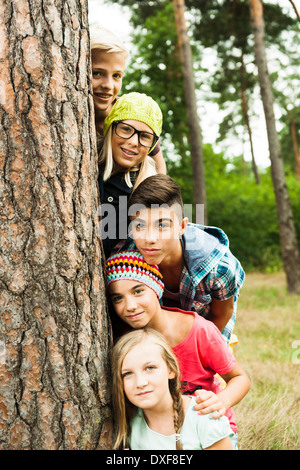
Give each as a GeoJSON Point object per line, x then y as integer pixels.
{"type": "Point", "coordinates": [131, 131]}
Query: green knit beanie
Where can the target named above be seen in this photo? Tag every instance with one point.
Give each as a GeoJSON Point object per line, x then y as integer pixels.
{"type": "Point", "coordinates": [138, 107]}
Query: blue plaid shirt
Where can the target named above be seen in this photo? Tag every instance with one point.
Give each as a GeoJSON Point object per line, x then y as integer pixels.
{"type": "Point", "coordinates": [210, 271]}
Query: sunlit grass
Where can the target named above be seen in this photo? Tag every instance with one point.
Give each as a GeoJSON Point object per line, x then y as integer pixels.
{"type": "Point", "coordinates": [268, 327]}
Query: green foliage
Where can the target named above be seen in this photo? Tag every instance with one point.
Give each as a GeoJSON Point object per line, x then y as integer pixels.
{"type": "Point", "coordinates": [285, 135]}
{"type": "Point", "coordinates": [244, 210]}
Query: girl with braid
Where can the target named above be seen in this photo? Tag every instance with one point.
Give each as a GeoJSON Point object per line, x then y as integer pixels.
{"type": "Point", "coordinates": [131, 131]}
{"type": "Point", "coordinates": [149, 409]}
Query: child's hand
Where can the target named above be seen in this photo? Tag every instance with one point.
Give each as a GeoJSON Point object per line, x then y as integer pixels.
{"type": "Point", "coordinates": [209, 402]}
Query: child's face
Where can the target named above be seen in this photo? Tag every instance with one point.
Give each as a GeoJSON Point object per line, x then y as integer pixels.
{"type": "Point", "coordinates": [156, 233]}
{"type": "Point", "coordinates": [135, 303]}
{"type": "Point", "coordinates": [107, 72]}
{"type": "Point", "coordinates": [145, 376]}
{"type": "Point", "coordinates": [128, 153]}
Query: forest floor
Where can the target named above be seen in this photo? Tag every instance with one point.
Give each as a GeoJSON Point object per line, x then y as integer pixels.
{"type": "Point", "coordinates": [268, 329]}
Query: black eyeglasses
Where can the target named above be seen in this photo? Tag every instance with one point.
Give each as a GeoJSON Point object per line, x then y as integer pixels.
{"type": "Point", "coordinates": [147, 139]}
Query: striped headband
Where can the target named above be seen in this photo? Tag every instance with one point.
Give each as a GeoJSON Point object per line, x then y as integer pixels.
{"type": "Point", "coordinates": [130, 265]}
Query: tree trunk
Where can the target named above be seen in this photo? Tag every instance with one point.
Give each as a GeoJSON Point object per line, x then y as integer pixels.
{"type": "Point", "coordinates": [54, 330]}
{"type": "Point", "coordinates": [289, 244]}
{"type": "Point", "coordinates": [247, 121]}
{"type": "Point", "coordinates": [191, 105]}
{"type": "Point", "coordinates": [295, 9]}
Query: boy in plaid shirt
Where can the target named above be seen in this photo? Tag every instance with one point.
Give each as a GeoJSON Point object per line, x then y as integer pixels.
{"type": "Point", "coordinates": [199, 271]}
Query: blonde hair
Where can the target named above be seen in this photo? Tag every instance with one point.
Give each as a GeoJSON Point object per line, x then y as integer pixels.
{"type": "Point", "coordinates": [103, 39]}
{"type": "Point", "coordinates": [124, 411]}
{"type": "Point", "coordinates": [146, 168]}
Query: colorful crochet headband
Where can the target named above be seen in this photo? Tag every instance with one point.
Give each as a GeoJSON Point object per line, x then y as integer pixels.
{"type": "Point", "coordinates": [130, 265]}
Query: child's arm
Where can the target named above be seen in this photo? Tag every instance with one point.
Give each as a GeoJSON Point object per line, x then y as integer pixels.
{"type": "Point", "coordinates": [221, 312]}
{"type": "Point", "coordinates": [223, 444]}
{"type": "Point", "coordinates": [238, 385]}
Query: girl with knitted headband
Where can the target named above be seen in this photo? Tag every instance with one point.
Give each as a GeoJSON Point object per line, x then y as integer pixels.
{"type": "Point", "coordinates": [135, 289]}
{"type": "Point", "coordinates": [150, 412]}
{"type": "Point", "coordinates": [130, 131]}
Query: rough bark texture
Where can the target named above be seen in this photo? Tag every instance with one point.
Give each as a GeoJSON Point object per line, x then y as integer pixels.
{"type": "Point", "coordinates": [54, 331]}
{"type": "Point", "coordinates": [289, 244]}
{"type": "Point", "coordinates": [191, 104]}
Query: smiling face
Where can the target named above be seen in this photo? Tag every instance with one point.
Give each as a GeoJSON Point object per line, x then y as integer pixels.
{"type": "Point", "coordinates": [146, 376]}
{"type": "Point", "coordinates": [135, 303]}
{"type": "Point", "coordinates": [157, 233]}
{"type": "Point", "coordinates": [128, 153]}
{"type": "Point", "coordinates": [107, 73]}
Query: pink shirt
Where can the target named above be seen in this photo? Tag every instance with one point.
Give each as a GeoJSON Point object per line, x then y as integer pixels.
{"type": "Point", "coordinates": [201, 355]}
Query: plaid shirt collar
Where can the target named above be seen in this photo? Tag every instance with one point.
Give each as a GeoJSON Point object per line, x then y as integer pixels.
{"type": "Point", "coordinates": [202, 248]}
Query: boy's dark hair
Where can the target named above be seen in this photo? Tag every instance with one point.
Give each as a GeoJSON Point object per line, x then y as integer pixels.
{"type": "Point", "coordinates": [157, 190]}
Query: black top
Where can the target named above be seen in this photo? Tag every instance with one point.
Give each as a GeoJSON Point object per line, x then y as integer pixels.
{"type": "Point", "coordinates": [114, 197]}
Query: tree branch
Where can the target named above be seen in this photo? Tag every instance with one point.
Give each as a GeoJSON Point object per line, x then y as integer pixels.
{"type": "Point", "coordinates": [295, 9]}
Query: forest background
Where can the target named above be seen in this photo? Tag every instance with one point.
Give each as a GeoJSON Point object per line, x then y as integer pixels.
{"type": "Point", "coordinates": [239, 199]}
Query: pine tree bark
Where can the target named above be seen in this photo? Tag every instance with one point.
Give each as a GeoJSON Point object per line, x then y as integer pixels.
{"type": "Point", "coordinates": [288, 239]}
{"type": "Point", "coordinates": [199, 190]}
{"type": "Point", "coordinates": [54, 330]}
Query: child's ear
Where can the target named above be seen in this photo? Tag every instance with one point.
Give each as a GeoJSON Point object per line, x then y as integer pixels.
{"type": "Point", "coordinates": [184, 223]}
{"type": "Point", "coordinates": [171, 374]}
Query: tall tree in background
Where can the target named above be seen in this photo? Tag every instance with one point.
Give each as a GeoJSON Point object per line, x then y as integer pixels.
{"type": "Point", "coordinates": [224, 27]}
{"type": "Point", "coordinates": [288, 239]}
{"type": "Point", "coordinates": [246, 117]}
{"type": "Point", "coordinates": [191, 104]}
{"type": "Point", "coordinates": [54, 331]}
{"type": "Point", "coordinates": [295, 145]}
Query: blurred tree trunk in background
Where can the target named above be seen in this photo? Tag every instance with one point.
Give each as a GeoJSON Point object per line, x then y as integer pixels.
{"type": "Point", "coordinates": [191, 105]}
{"type": "Point", "coordinates": [54, 330]}
{"type": "Point", "coordinates": [295, 147]}
{"type": "Point", "coordinates": [288, 239]}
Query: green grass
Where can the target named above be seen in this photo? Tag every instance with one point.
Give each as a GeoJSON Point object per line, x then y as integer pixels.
{"type": "Point", "coordinates": [268, 324]}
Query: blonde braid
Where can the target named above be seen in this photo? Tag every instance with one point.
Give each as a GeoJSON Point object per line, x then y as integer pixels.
{"type": "Point", "coordinates": [179, 415]}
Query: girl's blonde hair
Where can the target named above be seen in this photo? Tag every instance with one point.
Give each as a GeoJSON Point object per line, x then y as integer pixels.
{"type": "Point", "coordinates": [146, 168]}
{"type": "Point", "coordinates": [124, 411]}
